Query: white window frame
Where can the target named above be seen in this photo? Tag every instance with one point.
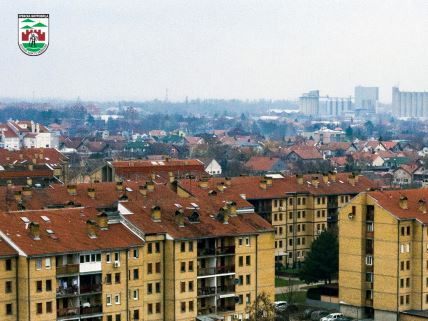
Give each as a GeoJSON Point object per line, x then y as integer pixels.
{"type": "Point", "coordinates": [136, 253]}
{"type": "Point", "coordinates": [135, 294]}
{"type": "Point", "coordinates": [247, 241]}
{"type": "Point", "coordinates": [117, 298]}
{"type": "Point", "coordinates": [38, 264]}
{"type": "Point", "coordinates": [48, 263]}
{"type": "Point", "coordinates": [108, 257]}
{"type": "Point", "coordinates": [118, 257]}
{"type": "Point", "coordinates": [108, 299]}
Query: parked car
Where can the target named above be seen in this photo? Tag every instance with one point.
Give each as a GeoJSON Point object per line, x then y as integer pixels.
{"type": "Point", "coordinates": [332, 317]}
{"type": "Point", "coordinates": [317, 315]}
{"type": "Point", "coordinates": [343, 318]}
{"type": "Point", "coordinates": [281, 305]}
{"type": "Point", "coordinates": [307, 313]}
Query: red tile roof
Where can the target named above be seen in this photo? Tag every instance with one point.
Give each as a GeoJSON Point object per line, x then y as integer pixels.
{"type": "Point", "coordinates": [390, 200]}
{"type": "Point", "coordinates": [49, 156]}
{"type": "Point", "coordinates": [261, 163]}
{"type": "Point", "coordinates": [69, 227]}
{"type": "Point", "coordinates": [6, 249]}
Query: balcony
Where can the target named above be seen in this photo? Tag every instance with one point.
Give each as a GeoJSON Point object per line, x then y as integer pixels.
{"type": "Point", "coordinates": [208, 290]}
{"type": "Point", "coordinates": [216, 270]}
{"type": "Point", "coordinates": [68, 312]}
{"type": "Point", "coordinates": [206, 309]}
{"type": "Point", "coordinates": [206, 251]}
{"type": "Point", "coordinates": [67, 269]}
{"type": "Point", "coordinates": [226, 308]}
{"type": "Point", "coordinates": [225, 289]}
{"type": "Point", "coordinates": [224, 250]}
{"type": "Point", "coordinates": [369, 302]}
{"type": "Point", "coordinates": [70, 291]}
{"type": "Point", "coordinates": [91, 310]}
{"type": "Point", "coordinates": [92, 288]}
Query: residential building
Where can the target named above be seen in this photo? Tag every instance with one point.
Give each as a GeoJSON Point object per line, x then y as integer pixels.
{"type": "Point", "coordinates": [212, 167]}
{"type": "Point", "coordinates": [409, 104]}
{"type": "Point", "coordinates": [265, 164]}
{"type": "Point", "coordinates": [325, 135]}
{"type": "Point", "coordinates": [383, 266]}
{"type": "Point", "coordinates": [299, 208]}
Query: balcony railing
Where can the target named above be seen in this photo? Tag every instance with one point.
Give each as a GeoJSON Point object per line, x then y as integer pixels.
{"type": "Point", "coordinates": [73, 290]}
{"type": "Point", "coordinates": [208, 290]}
{"type": "Point", "coordinates": [67, 269]}
{"type": "Point", "coordinates": [91, 310]}
{"type": "Point", "coordinates": [216, 270]}
{"type": "Point", "coordinates": [206, 251]}
{"type": "Point", "coordinates": [206, 310]}
{"type": "Point", "coordinates": [226, 308]}
{"type": "Point", "coordinates": [225, 289]}
{"type": "Point", "coordinates": [225, 250]}
{"type": "Point", "coordinates": [90, 288]}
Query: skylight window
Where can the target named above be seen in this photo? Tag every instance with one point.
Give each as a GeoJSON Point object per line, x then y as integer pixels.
{"type": "Point", "coordinates": [50, 231]}
{"type": "Point", "coordinates": [195, 205]}
{"type": "Point", "coordinates": [25, 219]}
{"type": "Point", "coordinates": [161, 163]}
{"type": "Point", "coordinates": [128, 189]}
{"type": "Point", "coordinates": [45, 218]}
{"type": "Point", "coordinates": [178, 205]}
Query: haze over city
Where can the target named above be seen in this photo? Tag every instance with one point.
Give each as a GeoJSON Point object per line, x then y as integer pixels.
{"type": "Point", "coordinates": [217, 49]}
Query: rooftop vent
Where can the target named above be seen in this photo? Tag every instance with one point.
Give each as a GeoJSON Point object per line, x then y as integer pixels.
{"type": "Point", "coordinates": [34, 230]}
{"type": "Point", "coordinates": [156, 213]}
{"type": "Point", "coordinates": [403, 202]}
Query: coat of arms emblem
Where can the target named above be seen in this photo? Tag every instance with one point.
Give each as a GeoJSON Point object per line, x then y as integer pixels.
{"type": "Point", "coordinates": [33, 33]}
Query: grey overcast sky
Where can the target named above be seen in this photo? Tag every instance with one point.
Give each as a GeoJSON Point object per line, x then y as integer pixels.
{"type": "Point", "coordinates": [114, 50]}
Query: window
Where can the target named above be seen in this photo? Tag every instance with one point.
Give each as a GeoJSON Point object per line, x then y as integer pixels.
{"type": "Point", "coordinates": [149, 288]}
{"type": "Point", "coordinates": [9, 309]}
{"type": "Point", "coordinates": [117, 277]}
{"type": "Point", "coordinates": [241, 280]}
{"type": "Point", "coordinates": [158, 287]}
{"type": "Point", "coordinates": [157, 247]}
{"type": "Point", "coordinates": [190, 246]}
{"type": "Point", "coordinates": [38, 264]}
{"type": "Point", "coordinates": [190, 266]}
{"type": "Point", "coordinates": [48, 262]}
{"type": "Point", "coordinates": [248, 260]}
{"type": "Point", "coordinates": [240, 240]}
{"type": "Point", "coordinates": [150, 308]}
{"type": "Point", "coordinates": [136, 274]}
{"type": "Point", "coordinates": [8, 265]}
{"type": "Point", "coordinates": [116, 257]}
{"type": "Point", "coordinates": [247, 241]}
{"type": "Point", "coordinates": [402, 265]}
{"type": "Point", "coordinates": [158, 307]}
{"type": "Point", "coordinates": [191, 306]}
{"type": "Point", "coordinates": [369, 260]}
{"type": "Point", "coordinates": [49, 307]}
{"type": "Point", "coordinates": [408, 265]}
{"type": "Point", "coordinates": [8, 287]}
{"type": "Point", "coordinates": [401, 283]}
{"type": "Point", "coordinates": [407, 299]}
{"type": "Point", "coordinates": [248, 298]}
{"type": "Point", "coordinates": [135, 294]}
{"type": "Point", "coordinates": [248, 279]}
{"type": "Point", "coordinates": [183, 247]}
{"type": "Point", "coordinates": [241, 299]}
{"type": "Point", "coordinates": [136, 254]}
{"type": "Point", "coordinates": [108, 257]}
{"type": "Point", "coordinates": [402, 230]}
{"type": "Point", "coordinates": [108, 278]}
{"type": "Point", "coordinates": [136, 314]}
{"type": "Point", "coordinates": [149, 268]}
{"type": "Point", "coordinates": [117, 298]}
{"type": "Point", "coordinates": [183, 287]}
{"type": "Point", "coordinates": [108, 299]}
{"type": "Point", "coordinates": [190, 286]}
{"type": "Point", "coordinates": [39, 286]}
{"type": "Point", "coordinates": [48, 285]}
{"type": "Point", "coordinates": [183, 267]}
{"type": "Point", "coordinates": [158, 267]}
{"type": "Point", "coordinates": [401, 300]}
{"type": "Point", "coordinates": [183, 307]}
{"type": "Point", "coordinates": [39, 308]}
{"type": "Point", "coordinates": [117, 317]}
{"type": "Point", "coordinates": [150, 248]}
{"type": "Point", "coordinates": [407, 282]}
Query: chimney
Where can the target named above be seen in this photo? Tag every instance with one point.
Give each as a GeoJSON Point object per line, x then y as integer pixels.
{"type": "Point", "coordinates": [41, 156]}
{"type": "Point", "coordinates": [333, 176]}
{"type": "Point", "coordinates": [21, 156]}
{"type": "Point", "coordinates": [18, 196]}
{"type": "Point", "coordinates": [231, 206]}
{"type": "Point", "coordinates": [220, 186]}
{"type": "Point", "coordinates": [34, 230]}
{"type": "Point", "coordinates": [403, 202]}
{"type": "Point", "coordinates": [263, 184]}
{"type": "Point", "coordinates": [102, 220]}
{"type": "Point", "coordinates": [171, 177]}
{"type": "Point", "coordinates": [119, 186]}
{"type": "Point", "coordinates": [299, 178]}
{"type": "Point", "coordinates": [203, 183]}
{"type": "Point", "coordinates": [30, 167]}
{"type": "Point", "coordinates": [91, 228]}
{"type": "Point", "coordinates": [91, 192]}
{"type": "Point", "coordinates": [315, 181]}
{"type": "Point", "coordinates": [143, 190]}
{"type": "Point", "coordinates": [179, 217]}
{"type": "Point", "coordinates": [150, 185]}
{"type": "Point", "coordinates": [9, 183]}
{"type": "Point", "coordinates": [153, 176]}
{"type": "Point", "coordinates": [72, 189]}
{"type": "Point", "coordinates": [224, 215]}
{"type": "Point", "coordinates": [325, 178]}
{"type": "Point", "coordinates": [422, 205]}
{"type": "Point", "coordinates": [268, 180]}
{"type": "Point", "coordinates": [351, 179]}
{"type": "Point", "coordinates": [29, 181]}
{"type": "Point", "coordinates": [156, 213]}
{"type": "Point", "coordinates": [27, 191]}
{"type": "Point", "coordinates": [228, 181]}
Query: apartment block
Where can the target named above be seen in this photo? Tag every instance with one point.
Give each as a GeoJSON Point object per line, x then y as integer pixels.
{"type": "Point", "coordinates": [383, 244]}
{"type": "Point", "coordinates": [299, 208]}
